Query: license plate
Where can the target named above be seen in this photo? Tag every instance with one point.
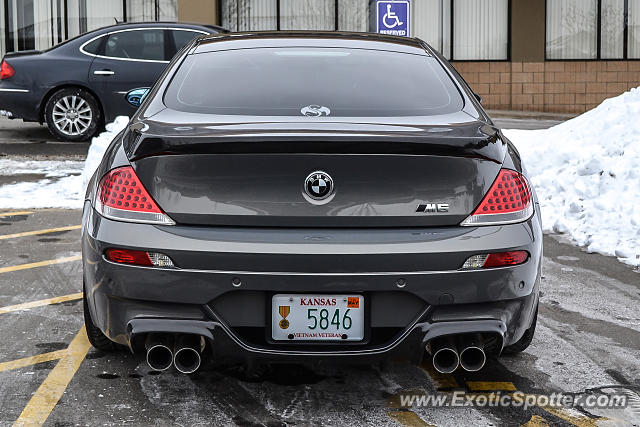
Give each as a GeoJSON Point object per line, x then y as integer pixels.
{"type": "Point", "coordinates": [317, 317]}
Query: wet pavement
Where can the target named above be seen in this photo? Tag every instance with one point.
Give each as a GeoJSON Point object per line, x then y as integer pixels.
{"type": "Point", "coordinates": [587, 341]}
{"type": "Point", "coordinates": [33, 140]}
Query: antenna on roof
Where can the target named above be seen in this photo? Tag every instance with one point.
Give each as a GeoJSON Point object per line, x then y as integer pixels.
{"type": "Point", "coordinates": [116, 19]}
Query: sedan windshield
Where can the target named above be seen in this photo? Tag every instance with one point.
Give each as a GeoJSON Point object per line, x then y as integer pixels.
{"type": "Point", "coordinates": [312, 82]}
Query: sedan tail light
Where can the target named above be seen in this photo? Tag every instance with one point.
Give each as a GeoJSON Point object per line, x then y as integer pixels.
{"type": "Point", "coordinates": [121, 196]}
{"type": "Point", "coordinates": [496, 259]}
{"type": "Point", "coordinates": [509, 200]}
{"type": "Point", "coordinates": [6, 70]}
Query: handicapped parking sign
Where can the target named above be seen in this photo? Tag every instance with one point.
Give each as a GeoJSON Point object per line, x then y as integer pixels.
{"type": "Point", "coordinates": [393, 17]}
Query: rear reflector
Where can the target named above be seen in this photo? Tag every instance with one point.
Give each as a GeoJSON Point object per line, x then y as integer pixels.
{"type": "Point", "coordinates": [6, 70]}
{"type": "Point", "coordinates": [125, 256]}
{"type": "Point", "coordinates": [497, 259]}
{"type": "Point", "coordinates": [500, 259]}
{"type": "Point", "coordinates": [508, 201]}
{"type": "Point", "coordinates": [121, 196]}
{"type": "Point", "coordinates": [149, 259]}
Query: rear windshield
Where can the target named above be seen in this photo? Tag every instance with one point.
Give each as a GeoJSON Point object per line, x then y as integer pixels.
{"type": "Point", "coordinates": [313, 82]}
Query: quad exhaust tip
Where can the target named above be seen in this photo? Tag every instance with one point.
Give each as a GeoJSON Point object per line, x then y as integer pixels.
{"type": "Point", "coordinates": [188, 350]}
{"type": "Point", "coordinates": [466, 351]}
{"type": "Point", "coordinates": [472, 359]}
{"type": "Point", "coordinates": [445, 355]}
{"type": "Point", "coordinates": [159, 354]}
{"type": "Point", "coordinates": [182, 351]}
{"type": "Point", "coordinates": [472, 355]}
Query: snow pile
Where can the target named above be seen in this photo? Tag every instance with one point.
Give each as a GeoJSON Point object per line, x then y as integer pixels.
{"type": "Point", "coordinates": [40, 184]}
{"type": "Point", "coordinates": [586, 174]}
{"type": "Point", "coordinates": [53, 184]}
{"type": "Point", "coordinates": [98, 146]}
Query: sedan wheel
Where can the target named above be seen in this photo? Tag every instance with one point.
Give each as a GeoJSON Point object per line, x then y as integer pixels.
{"type": "Point", "coordinates": [72, 114]}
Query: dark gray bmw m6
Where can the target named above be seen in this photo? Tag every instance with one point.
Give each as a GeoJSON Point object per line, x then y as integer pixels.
{"type": "Point", "coordinates": [305, 196]}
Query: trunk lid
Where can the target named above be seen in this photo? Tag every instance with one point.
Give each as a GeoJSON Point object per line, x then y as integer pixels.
{"type": "Point", "coordinates": [248, 173]}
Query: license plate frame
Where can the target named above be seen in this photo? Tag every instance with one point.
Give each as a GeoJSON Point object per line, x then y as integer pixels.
{"type": "Point", "coordinates": [297, 316]}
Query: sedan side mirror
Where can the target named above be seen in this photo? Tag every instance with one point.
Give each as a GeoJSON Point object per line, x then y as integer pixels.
{"type": "Point", "coordinates": [136, 96]}
{"type": "Point", "coordinates": [478, 97]}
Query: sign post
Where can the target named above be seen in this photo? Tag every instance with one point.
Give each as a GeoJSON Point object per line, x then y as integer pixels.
{"type": "Point", "coordinates": [393, 17]}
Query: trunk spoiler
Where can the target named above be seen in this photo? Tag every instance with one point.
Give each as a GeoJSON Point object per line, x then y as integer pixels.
{"type": "Point", "coordinates": [22, 53]}
{"type": "Point", "coordinates": [477, 140]}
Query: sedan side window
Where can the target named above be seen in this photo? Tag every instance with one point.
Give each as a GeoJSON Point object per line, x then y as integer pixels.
{"type": "Point", "coordinates": [94, 46]}
{"type": "Point", "coordinates": [139, 44]}
{"type": "Point", "coordinates": [182, 37]}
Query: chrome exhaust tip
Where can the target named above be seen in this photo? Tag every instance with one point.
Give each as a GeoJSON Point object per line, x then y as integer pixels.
{"type": "Point", "coordinates": [473, 357]}
{"type": "Point", "coordinates": [159, 354]}
{"type": "Point", "coordinates": [187, 357]}
{"type": "Point", "coordinates": [445, 356]}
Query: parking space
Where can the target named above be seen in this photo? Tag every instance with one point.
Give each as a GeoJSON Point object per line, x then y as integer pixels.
{"type": "Point", "coordinates": [18, 138]}
{"type": "Point", "coordinates": [49, 373]}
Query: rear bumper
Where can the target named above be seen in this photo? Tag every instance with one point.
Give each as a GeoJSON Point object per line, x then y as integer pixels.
{"type": "Point", "coordinates": [18, 103]}
{"type": "Point", "coordinates": [406, 275]}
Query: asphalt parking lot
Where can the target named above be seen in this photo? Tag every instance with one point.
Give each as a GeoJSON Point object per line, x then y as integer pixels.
{"type": "Point", "coordinates": [587, 342]}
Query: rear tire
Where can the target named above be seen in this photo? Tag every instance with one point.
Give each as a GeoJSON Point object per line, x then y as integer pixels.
{"type": "Point", "coordinates": [95, 335]}
{"type": "Point", "coordinates": [73, 114]}
{"type": "Point", "coordinates": [524, 342]}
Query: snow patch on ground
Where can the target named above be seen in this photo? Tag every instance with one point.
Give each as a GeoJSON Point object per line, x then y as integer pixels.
{"type": "Point", "coordinates": [58, 187]}
{"type": "Point", "coordinates": [585, 172]}
{"type": "Point", "coordinates": [49, 168]}
{"type": "Point", "coordinates": [63, 183]}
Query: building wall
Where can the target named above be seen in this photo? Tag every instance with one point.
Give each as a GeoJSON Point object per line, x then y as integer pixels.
{"type": "Point", "coordinates": [528, 30]}
{"type": "Point", "coordinates": [551, 86]}
{"type": "Point", "coordinates": [198, 11]}
{"type": "Point", "coordinates": [529, 83]}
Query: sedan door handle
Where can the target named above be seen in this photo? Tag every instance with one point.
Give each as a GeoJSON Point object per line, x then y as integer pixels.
{"type": "Point", "coordinates": [104, 73]}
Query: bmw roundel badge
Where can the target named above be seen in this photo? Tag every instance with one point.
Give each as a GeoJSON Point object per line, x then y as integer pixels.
{"type": "Point", "coordinates": [318, 185]}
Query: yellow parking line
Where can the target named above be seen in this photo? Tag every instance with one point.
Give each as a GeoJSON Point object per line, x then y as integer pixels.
{"type": "Point", "coordinates": [572, 417]}
{"type": "Point", "coordinates": [48, 394]}
{"type": "Point", "coordinates": [577, 420]}
{"type": "Point", "coordinates": [32, 360]}
{"type": "Point", "coordinates": [4, 214]}
{"type": "Point", "coordinates": [536, 421]}
{"type": "Point", "coordinates": [39, 303]}
{"type": "Point", "coordinates": [490, 386]}
{"type": "Point", "coordinates": [39, 264]}
{"type": "Point", "coordinates": [408, 418]}
{"type": "Point", "coordinates": [39, 232]}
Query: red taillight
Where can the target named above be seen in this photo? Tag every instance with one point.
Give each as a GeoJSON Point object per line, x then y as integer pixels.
{"type": "Point", "coordinates": [121, 189]}
{"type": "Point", "coordinates": [509, 200]}
{"type": "Point", "coordinates": [496, 259]}
{"type": "Point", "coordinates": [6, 70]}
{"type": "Point", "coordinates": [122, 196]}
{"type": "Point", "coordinates": [126, 256]}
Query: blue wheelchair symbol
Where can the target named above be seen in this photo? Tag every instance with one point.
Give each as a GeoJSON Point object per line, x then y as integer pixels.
{"type": "Point", "coordinates": [393, 17]}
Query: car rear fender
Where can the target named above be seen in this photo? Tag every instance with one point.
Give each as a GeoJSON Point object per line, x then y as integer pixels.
{"type": "Point", "coordinates": [63, 85]}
